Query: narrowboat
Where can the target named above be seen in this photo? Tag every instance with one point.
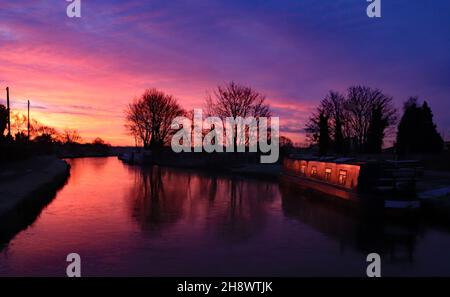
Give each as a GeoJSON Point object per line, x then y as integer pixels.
{"type": "Point", "coordinates": [391, 184]}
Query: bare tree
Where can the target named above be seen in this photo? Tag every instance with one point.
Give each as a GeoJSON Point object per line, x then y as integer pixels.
{"type": "Point", "coordinates": [361, 103]}
{"type": "Point", "coordinates": [351, 118]}
{"type": "Point", "coordinates": [137, 122]}
{"type": "Point", "coordinates": [38, 129]}
{"type": "Point", "coordinates": [286, 142]}
{"type": "Point", "coordinates": [331, 107]}
{"type": "Point", "coordinates": [70, 136]}
{"type": "Point", "coordinates": [234, 100]}
{"type": "Point", "coordinates": [149, 117]}
{"type": "Point", "coordinates": [335, 104]}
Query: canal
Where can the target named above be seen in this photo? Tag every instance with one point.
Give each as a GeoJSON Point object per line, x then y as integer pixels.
{"type": "Point", "coordinates": [127, 221]}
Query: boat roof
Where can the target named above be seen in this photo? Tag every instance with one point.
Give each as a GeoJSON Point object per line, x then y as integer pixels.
{"type": "Point", "coordinates": [328, 159]}
{"type": "Point", "coordinates": [350, 160]}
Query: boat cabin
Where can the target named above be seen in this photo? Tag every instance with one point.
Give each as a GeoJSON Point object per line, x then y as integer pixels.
{"type": "Point", "coordinates": [344, 175]}
{"type": "Point", "coordinates": [375, 177]}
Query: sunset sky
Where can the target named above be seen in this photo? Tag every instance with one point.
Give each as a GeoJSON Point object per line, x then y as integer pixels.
{"type": "Point", "coordinates": [82, 72]}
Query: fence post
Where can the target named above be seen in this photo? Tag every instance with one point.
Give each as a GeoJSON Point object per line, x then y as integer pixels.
{"type": "Point", "coordinates": [28, 120]}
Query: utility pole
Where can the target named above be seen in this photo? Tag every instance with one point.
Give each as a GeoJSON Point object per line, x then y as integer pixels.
{"type": "Point", "coordinates": [28, 120]}
{"type": "Point", "coordinates": [9, 111]}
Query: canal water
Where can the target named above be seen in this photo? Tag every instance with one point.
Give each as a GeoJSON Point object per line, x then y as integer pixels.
{"type": "Point", "coordinates": [127, 221]}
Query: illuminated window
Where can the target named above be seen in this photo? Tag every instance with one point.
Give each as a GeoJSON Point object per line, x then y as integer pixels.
{"type": "Point", "coordinates": [327, 174]}
{"type": "Point", "coordinates": [303, 169]}
{"type": "Point", "coordinates": [342, 177]}
{"type": "Point", "coordinates": [313, 171]}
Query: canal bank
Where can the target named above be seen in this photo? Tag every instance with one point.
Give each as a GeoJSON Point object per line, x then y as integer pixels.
{"type": "Point", "coordinates": [28, 181]}
{"type": "Point", "coordinates": [246, 165]}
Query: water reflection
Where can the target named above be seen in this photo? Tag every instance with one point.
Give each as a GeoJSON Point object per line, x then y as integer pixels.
{"type": "Point", "coordinates": [129, 221]}
{"type": "Point", "coordinates": [245, 214]}
{"type": "Point", "coordinates": [360, 228]}
{"type": "Point", "coordinates": [234, 208]}
{"type": "Point", "coordinates": [154, 205]}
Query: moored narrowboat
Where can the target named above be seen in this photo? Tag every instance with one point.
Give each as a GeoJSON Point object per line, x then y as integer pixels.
{"type": "Point", "coordinates": [390, 184]}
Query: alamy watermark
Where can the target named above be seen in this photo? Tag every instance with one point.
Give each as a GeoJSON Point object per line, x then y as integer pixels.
{"type": "Point", "coordinates": [232, 135]}
{"type": "Point", "coordinates": [74, 268]}
{"type": "Point", "coordinates": [374, 9]}
{"type": "Point", "coordinates": [374, 267]}
{"type": "Point", "coordinates": [74, 9]}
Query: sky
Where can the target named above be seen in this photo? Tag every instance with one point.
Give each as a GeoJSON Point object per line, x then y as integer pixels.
{"type": "Point", "coordinates": [82, 72]}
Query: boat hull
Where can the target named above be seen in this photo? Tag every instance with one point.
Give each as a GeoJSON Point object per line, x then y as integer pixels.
{"type": "Point", "coordinates": [322, 187]}
{"type": "Point", "coordinates": [332, 191]}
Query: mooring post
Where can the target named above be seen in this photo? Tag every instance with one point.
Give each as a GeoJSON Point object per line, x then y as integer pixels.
{"type": "Point", "coordinates": [9, 111]}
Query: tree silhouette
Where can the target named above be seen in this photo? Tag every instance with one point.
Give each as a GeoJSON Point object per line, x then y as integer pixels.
{"type": "Point", "coordinates": [417, 132]}
{"type": "Point", "coordinates": [286, 142]}
{"type": "Point", "coordinates": [234, 100]}
{"type": "Point", "coordinates": [324, 134]}
{"type": "Point", "coordinates": [99, 142]}
{"type": "Point", "coordinates": [338, 136]}
{"type": "Point", "coordinates": [364, 116]}
{"type": "Point", "coordinates": [334, 103]}
{"type": "Point", "coordinates": [432, 140]}
{"type": "Point", "coordinates": [375, 133]}
{"type": "Point", "coordinates": [42, 133]}
{"type": "Point", "coordinates": [286, 145]}
{"type": "Point", "coordinates": [70, 136]}
{"type": "Point", "coordinates": [361, 103]}
{"type": "Point", "coordinates": [149, 117]}
{"type": "Point", "coordinates": [44, 139]}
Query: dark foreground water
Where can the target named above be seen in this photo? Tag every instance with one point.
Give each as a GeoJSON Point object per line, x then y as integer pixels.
{"type": "Point", "coordinates": [127, 221]}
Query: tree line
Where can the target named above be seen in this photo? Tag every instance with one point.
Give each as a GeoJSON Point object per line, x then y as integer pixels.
{"type": "Point", "coordinates": [23, 130]}
{"type": "Point", "coordinates": [24, 139]}
{"type": "Point", "coordinates": [359, 121]}
{"type": "Point", "coordinates": [149, 117]}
